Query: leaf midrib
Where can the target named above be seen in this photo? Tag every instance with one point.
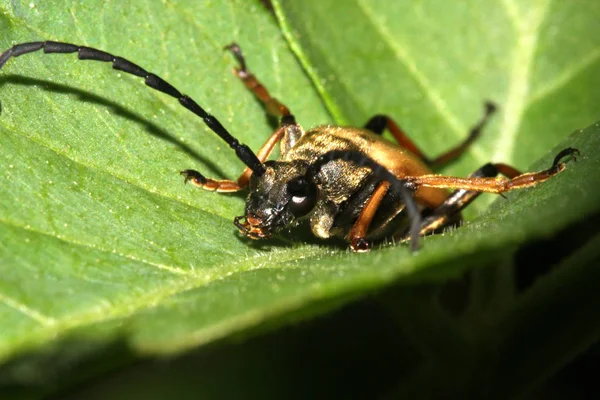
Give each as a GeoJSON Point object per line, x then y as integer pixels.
{"type": "Point", "coordinates": [527, 33]}
{"type": "Point", "coordinates": [404, 58]}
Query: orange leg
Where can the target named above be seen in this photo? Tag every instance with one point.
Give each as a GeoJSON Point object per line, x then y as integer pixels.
{"type": "Point", "coordinates": [228, 186]}
{"type": "Point", "coordinates": [493, 185]}
{"type": "Point", "coordinates": [379, 123]}
{"type": "Point", "coordinates": [455, 152]}
{"type": "Point", "coordinates": [483, 180]}
{"type": "Point", "coordinates": [273, 107]}
{"type": "Point", "coordinates": [357, 234]}
{"type": "Point", "coordinates": [448, 212]}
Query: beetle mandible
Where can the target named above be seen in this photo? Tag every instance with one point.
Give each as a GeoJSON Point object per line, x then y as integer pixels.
{"type": "Point", "coordinates": [347, 182]}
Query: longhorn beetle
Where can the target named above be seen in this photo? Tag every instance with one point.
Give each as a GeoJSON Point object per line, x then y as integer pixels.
{"type": "Point", "coordinates": [346, 181]}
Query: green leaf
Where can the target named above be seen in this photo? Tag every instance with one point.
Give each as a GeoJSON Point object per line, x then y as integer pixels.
{"type": "Point", "coordinates": [431, 65]}
{"type": "Point", "coordinates": [96, 222]}
{"type": "Point", "coordinates": [101, 242]}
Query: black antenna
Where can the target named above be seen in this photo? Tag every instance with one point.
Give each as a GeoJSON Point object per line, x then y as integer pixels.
{"type": "Point", "coordinates": [380, 171]}
{"type": "Point", "coordinates": [243, 152]}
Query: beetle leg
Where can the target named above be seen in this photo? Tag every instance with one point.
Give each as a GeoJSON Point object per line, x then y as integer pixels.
{"type": "Point", "coordinates": [474, 133]}
{"type": "Point", "coordinates": [228, 186]}
{"type": "Point", "coordinates": [448, 212]}
{"type": "Point", "coordinates": [273, 106]}
{"type": "Point", "coordinates": [379, 123]}
{"type": "Point", "coordinates": [493, 185]}
{"type": "Point", "coordinates": [357, 234]}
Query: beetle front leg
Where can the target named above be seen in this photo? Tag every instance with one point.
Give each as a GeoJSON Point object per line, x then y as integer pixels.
{"type": "Point", "coordinates": [229, 186]}
{"type": "Point", "coordinates": [288, 130]}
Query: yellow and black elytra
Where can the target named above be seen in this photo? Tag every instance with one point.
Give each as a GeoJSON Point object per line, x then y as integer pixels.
{"type": "Point", "coordinates": [347, 182]}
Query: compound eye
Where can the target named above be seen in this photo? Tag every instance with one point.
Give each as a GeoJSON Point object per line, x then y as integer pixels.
{"type": "Point", "coordinates": [303, 196]}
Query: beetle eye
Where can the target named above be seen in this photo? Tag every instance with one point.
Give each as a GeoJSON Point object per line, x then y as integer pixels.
{"type": "Point", "coordinates": [303, 196]}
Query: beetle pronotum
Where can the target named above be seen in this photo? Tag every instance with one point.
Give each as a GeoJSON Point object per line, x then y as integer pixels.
{"type": "Point", "coordinates": [345, 181]}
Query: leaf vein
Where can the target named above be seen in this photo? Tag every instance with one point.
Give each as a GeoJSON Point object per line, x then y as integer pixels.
{"type": "Point", "coordinates": [332, 107]}
{"type": "Point", "coordinates": [439, 104]}
{"type": "Point", "coordinates": [566, 76]}
{"type": "Point", "coordinates": [112, 173]}
{"type": "Point", "coordinates": [518, 90]}
{"type": "Point", "coordinates": [73, 241]}
{"type": "Point", "coordinates": [26, 310]}
{"type": "Point", "coordinates": [513, 13]}
{"type": "Point", "coordinates": [148, 300]}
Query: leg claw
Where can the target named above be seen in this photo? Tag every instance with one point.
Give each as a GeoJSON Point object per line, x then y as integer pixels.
{"type": "Point", "coordinates": [192, 175]}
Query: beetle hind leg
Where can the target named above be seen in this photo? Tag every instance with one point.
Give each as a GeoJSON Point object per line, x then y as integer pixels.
{"type": "Point", "coordinates": [491, 185]}
{"type": "Point", "coordinates": [448, 212]}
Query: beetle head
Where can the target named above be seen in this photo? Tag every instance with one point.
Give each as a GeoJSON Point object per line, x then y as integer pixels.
{"type": "Point", "coordinates": [277, 199]}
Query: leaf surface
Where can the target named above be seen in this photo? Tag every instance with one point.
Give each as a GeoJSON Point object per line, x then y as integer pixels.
{"type": "Point", "coordinates": [431, 65]}
{"type": "Point", "coordinates": [100, 239]}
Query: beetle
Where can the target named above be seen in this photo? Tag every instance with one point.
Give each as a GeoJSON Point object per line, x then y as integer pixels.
{"type": "Point", "coordinates": [345, 181]}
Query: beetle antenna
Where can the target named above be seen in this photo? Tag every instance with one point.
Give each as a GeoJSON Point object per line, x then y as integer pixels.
{"type": "Point", "coordinates": [401, 185]}
{"type": "Point", "coordinates": [243, 152]}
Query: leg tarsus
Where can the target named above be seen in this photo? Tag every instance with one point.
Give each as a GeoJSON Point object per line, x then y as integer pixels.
{"type": "Point", "coordinates": [570, 151]}
{"type": "Point", "coordinates": [360, 245]}
{"type": "Point", "coordinates": [452, 154]}
{"type": "Point", "coordinates": [192, 175]}
{"type": "Point", "coordinates": [237, 53]}
{"type": "Point", "coordinates": [222, 186]}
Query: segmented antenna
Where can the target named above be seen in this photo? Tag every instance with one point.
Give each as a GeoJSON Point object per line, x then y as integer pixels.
{"type": "Point", "coordinates": [380, 171]}
{"type": "Point", "coordinates": [243, 152]}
